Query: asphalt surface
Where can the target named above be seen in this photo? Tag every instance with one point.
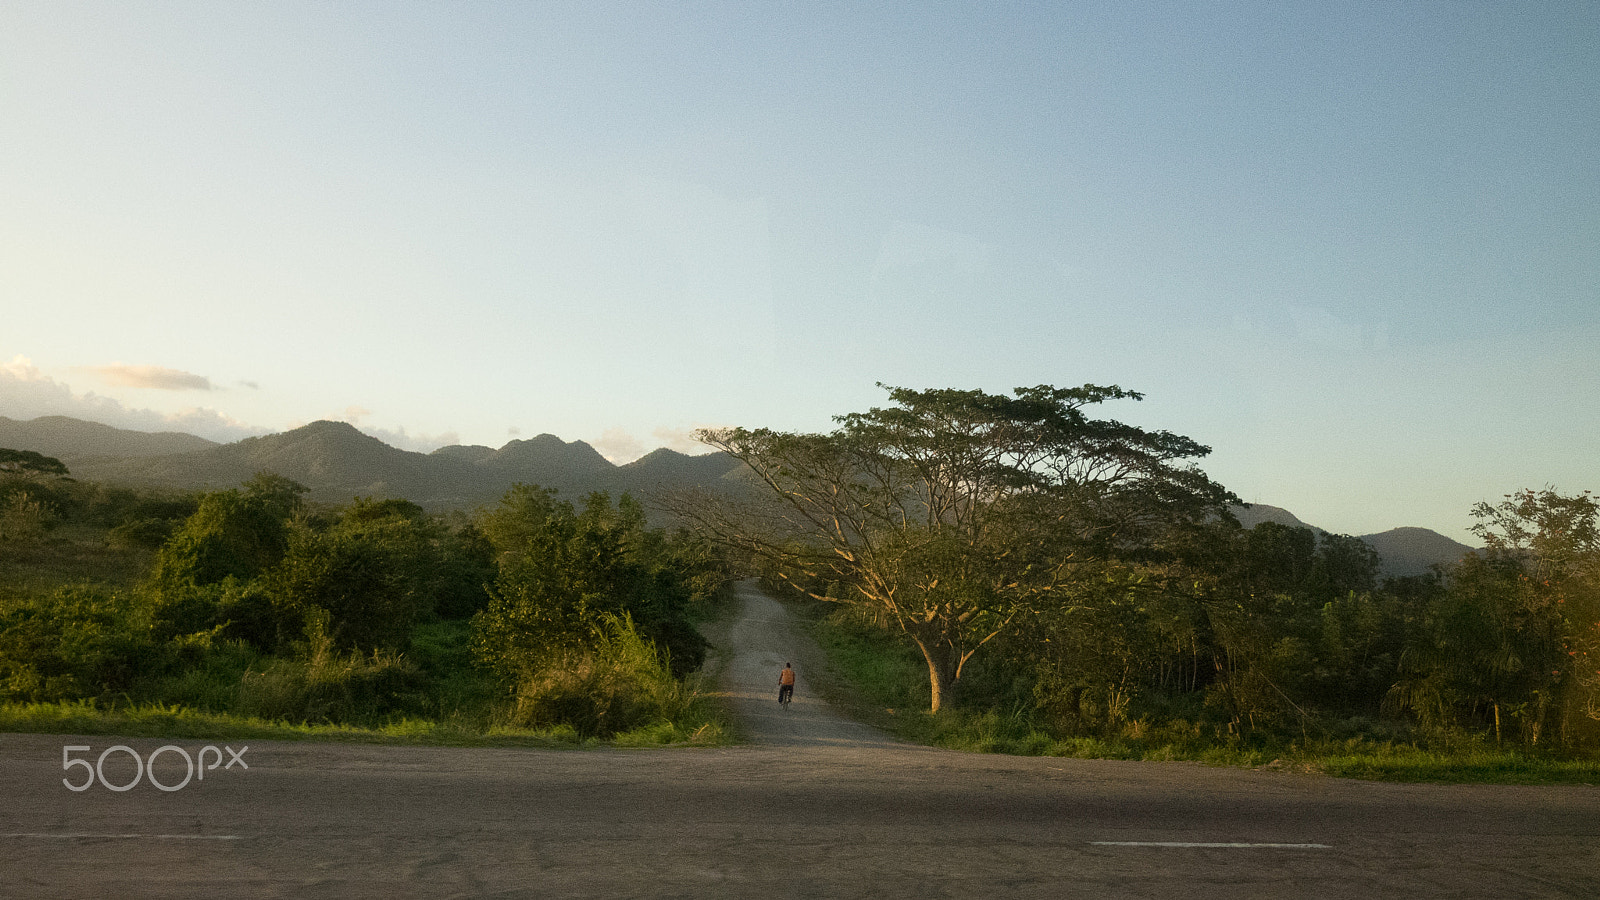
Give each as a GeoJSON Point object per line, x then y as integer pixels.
{"type": "Point", "coordinates": [813, 806]}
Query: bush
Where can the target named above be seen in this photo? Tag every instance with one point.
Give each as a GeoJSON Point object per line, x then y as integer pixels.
{"type": "Point", "coordinates": [360, 579]}
{"type": "Point", "coordinates": [145, 534]}
{"type": "Point", "coordinates": [77, 642]}
{"type": "Point", "coordinates": [620, 684]}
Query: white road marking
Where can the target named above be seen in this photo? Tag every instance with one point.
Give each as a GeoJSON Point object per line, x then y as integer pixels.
{"type": "Point", "coordinates": [1218, 844]}
{"type": "Point", "coordinates": [81, 835]}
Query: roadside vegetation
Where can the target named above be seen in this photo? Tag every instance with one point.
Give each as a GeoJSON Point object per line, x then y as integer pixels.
{"type": "Point", "coordinates": [247, 612]}
{"type": "Point", "coordinates": [1008, 574]}
{"type": "Point", "coordinates": [882, 681]}
{"type": "Point", "coordinates": [987, 572]}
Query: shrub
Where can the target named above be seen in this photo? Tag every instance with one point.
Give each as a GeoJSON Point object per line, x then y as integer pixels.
{"type": "Point", "coordinates": [74, 643]}
{"type": "Point", "coordinates": [621, 683]}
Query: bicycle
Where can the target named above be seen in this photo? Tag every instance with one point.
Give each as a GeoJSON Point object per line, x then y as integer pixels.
{"type": "Point", "coordinates": [786, 685]}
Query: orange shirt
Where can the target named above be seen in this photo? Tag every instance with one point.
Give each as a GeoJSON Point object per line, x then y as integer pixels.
{"type": "Point", "coordinates": [786, 677]}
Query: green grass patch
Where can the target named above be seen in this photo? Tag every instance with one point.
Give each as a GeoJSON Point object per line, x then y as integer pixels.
{"type": "Point", "coordinates": [1417, 765]}
{"type": "Point", "coordinates": [155, 720]}
{"type": "Point", "coordinates": [871, 676]}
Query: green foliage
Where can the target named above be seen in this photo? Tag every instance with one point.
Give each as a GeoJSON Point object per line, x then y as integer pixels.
{"type": "Point", "coordinates": [366, 576]}
{"type": "Point", "coordinates": [30, 503]}
{"type": "Point", "coordinates": [259, 610]}
{"type": "Point", "coordinates": [24, 517]}
{"type": "Point", "coordinates": [324, 685]}
{"type": "Point", "coordinates": [237, 534]}
{"type": "Point", "coordinates": [520, 516]}
{"type": "Point", "coordinates": [1179, 638]}
{"type": "Point", "coordinates": [890, 683]}
{"type": "Point", "coordinates": [1119, 638]}
{"type": "Point", "coordinates": [564, 574]}
{"type": "Point", "coordinates": [74, 643]}
{"type": "Point", "coordinates": [106, 506]}
{"type": "Point", "coordinates": [1512, 642]}
{"type": "Point", "coordinates": [465, 565]}
{"type": "Point", "coordinates": [147, 533]}
{"type": "Point", "coordinates": [588, 622]}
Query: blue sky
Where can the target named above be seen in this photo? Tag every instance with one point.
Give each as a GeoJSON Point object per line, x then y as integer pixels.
{"type": "Point", "coordinates": [1353, 247]}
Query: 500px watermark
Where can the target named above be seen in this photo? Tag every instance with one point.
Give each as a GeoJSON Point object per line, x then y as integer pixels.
{"type": "Point", "coordinates": [145, 767]}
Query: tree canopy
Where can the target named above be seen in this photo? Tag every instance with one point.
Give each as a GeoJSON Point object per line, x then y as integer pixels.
{"type": "Point", "coordinates": [29, 463]}
{"type": "Point", "coordinates": [954, 511]}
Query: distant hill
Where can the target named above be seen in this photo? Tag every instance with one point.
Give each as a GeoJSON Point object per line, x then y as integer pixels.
{"type": "Point", "coordinates": [69, 439]}
{"type": "Point", "coordinates": [1412, 551]}
{"type": "Point", "coordinates": [662, 469]}
{"type": "Point", "coordinates": [1404, 551]}
{"type": "Point", "coordinates": [333, 459]}
{"type": "Point", "coordinates": [566, 462]}
{"type": "Point", "coordinates": [1256, 513]}
{"type": "Point", "coordinates": [337, 462]}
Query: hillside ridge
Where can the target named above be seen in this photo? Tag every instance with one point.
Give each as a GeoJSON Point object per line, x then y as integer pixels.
{"type": "Point", "coordinates": [337, 462]}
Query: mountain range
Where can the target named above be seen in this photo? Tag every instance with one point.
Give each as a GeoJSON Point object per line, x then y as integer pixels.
{"type": "Point", "coordinates": [337, 462]}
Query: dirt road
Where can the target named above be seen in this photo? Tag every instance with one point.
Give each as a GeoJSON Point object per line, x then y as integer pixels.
{"type": "Point", "coordinates": [762, 638]}
{"type": "Point", "coordinates": [813, 807]}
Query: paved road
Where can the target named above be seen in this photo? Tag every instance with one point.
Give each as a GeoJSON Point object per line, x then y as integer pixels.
{"type": "Point", "coordinates": [813, 807]}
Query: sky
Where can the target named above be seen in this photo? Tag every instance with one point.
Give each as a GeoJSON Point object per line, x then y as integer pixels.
{"type": "Point", "coordinates": [1354, 248]}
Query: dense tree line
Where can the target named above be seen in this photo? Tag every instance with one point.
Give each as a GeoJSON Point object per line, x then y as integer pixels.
{"type": "Point", "coordinates": [255, 602]}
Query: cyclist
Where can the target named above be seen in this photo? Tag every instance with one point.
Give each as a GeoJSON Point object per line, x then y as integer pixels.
{"type": "Point", "coordinates": [786, 683]}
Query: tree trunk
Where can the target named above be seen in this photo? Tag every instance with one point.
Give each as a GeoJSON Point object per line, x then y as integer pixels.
{"type": "Point", "coordinates": [941, 671]}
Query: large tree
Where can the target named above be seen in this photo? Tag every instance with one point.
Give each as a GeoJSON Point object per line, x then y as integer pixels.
{"type": "Point", "coordinates": [953, 512]}
{"type": "Point", "coordinates": [28, 464]}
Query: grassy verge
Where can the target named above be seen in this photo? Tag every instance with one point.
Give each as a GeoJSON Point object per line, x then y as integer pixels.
{"type": "Point", "coordinates": [1484, 767]}
{"type": "Point", "coordinates": [163, 721]}
{"type": "Point", "coordinates": [883, 682]}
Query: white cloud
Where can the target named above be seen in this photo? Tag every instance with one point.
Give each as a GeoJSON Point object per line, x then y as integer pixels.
{"type": "Point", "coordinates": [157, 377]}
{"type": "Point", "coordinates": [620, 446]}
{"type": "Point", "coordinates": [680, 439]}
{"type": "Point", "coordinates": [395, 437]}
{"type": "Point", "coordinates": [27, 393]}
{"type": "Point", "coordinates": [617, 445]}
{"type": "Point", "coordinates": [404, 440]}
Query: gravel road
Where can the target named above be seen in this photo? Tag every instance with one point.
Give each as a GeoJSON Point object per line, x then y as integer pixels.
{"type": "Point", "coordinates": [762, 638]}
{"type": "Point", "coordinates": [812, 806]}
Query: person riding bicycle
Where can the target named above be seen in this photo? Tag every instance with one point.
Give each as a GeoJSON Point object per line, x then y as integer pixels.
{"type": "Point", "coordinates": [786, 683]}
